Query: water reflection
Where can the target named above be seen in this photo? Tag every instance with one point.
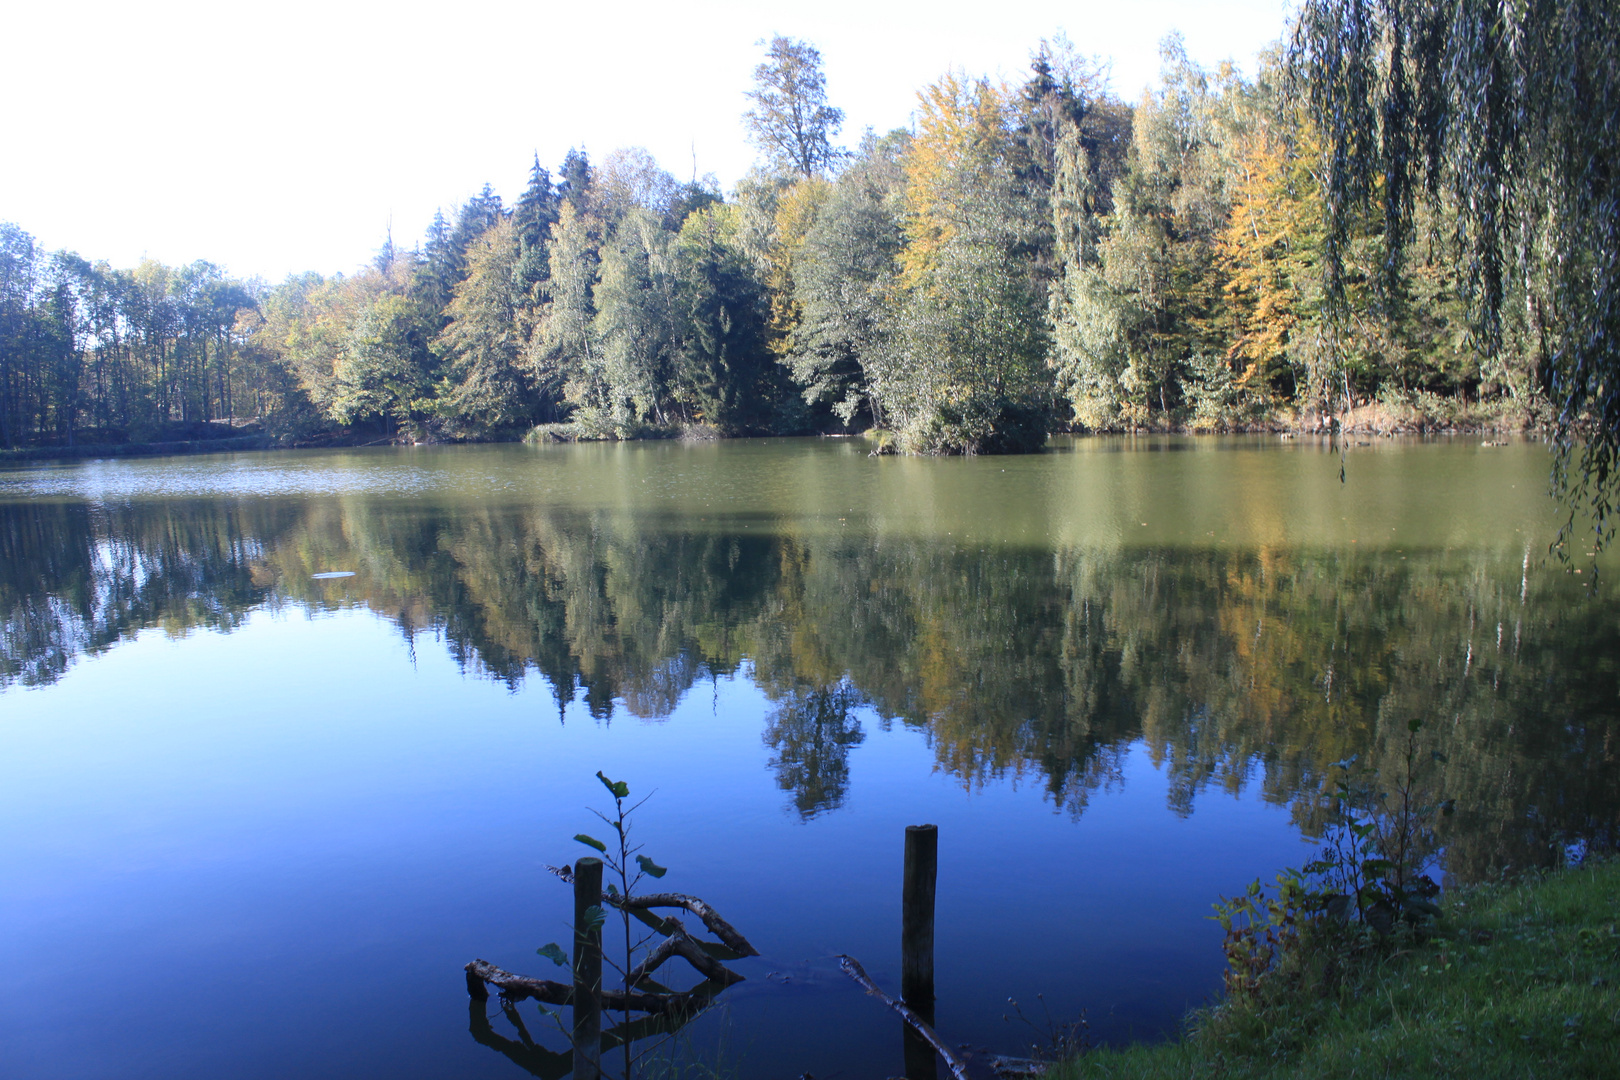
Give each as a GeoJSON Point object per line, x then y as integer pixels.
{"type": "Point", "coordinates": [1254, 666]}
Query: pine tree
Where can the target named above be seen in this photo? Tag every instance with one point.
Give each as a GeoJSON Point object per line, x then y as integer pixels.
{"type": "Point", "coordinates": [574, 187]}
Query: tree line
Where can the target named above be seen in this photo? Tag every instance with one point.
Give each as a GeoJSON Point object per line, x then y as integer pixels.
{"type": "Point", "coordinates": [1031, 255]}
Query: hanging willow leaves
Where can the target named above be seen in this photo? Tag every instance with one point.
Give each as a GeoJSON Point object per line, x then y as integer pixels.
{"type": "Point", "coordinates": [1505, 114]}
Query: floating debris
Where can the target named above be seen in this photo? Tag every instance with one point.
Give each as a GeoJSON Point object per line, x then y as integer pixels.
{"type": "Point", "coordinates": [330, 574]}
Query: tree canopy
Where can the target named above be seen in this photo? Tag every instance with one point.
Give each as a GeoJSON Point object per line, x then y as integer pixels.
{"type": "Point", "coordinates": [791, 120]}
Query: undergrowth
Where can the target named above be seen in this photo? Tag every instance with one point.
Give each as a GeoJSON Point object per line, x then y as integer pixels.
{"type": "Point", "coordinates": [1513, 980]}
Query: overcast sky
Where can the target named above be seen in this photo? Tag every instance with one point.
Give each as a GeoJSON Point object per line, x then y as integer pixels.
{"type": "Point", "coordinates": [274, 138]}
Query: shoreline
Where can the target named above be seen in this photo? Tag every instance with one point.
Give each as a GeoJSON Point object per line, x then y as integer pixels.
{"type": "Point", "coordinates": [1366, 420]}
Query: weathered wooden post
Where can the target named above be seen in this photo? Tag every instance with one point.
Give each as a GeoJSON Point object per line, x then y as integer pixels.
{"type": "Point", "coordinates": [917, 945]}
{"type": "Point", "coordinates": [587, 1000]}
{"type": "Point", "coordinates": [917, 916]}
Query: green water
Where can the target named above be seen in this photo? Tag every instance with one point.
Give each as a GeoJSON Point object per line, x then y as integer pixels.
{"type": "Point", "coordinates": [1116, 674]}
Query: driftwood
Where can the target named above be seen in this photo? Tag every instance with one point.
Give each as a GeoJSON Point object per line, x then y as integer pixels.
{"type": "Point", "coordinates": [638, 905]}
{"type": "Point", "coordinates": [517, 987]}
{"type": "Point", "coordinates": [1014, 1067]}
{"type": "Point", "coordinates": [852, 968]}
{"type": "Point", "coordinates": [680, 943]}
{"type": "Point", "coordinates": [711, 918]}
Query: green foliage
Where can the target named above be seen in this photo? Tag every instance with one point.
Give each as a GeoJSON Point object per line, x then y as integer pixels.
{"type": "Point", "coordinates": [1366, 884]}
{"type": "Point", "coordinates": [1262, 931]}
{"type": "Point", "coordinates": [727, 374]}
{"type": "Point", "coordinates": [962, 369]}
{"type": "Point", "coordinates": [386, 370]}
{"type": "Point", "coordinates": [1230, 253]}
{"type": "Point", "coordinates": [1516, 981]}
{"type": "Point", "coordinates": [485, 386]}
{"type": "Point", "coordinates": [841, 280]}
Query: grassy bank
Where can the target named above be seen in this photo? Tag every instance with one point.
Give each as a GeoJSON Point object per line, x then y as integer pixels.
{"type": "Point", "coordinates": [1517, 981]}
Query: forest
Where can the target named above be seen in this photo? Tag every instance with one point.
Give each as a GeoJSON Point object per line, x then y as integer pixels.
{"type": "Point", "coordinates": [1031, 256]}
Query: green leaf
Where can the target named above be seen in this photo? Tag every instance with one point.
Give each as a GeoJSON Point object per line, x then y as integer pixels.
{"type": "Point", "coordinates": [594, 917]}
{"type": "Point", "coordinates": [650, 868]}
{"type": "Point", "coordinates": [619, 788]}
{"type": "Point", "coordinates": [553, 952]}
{"type": "Point", "coordinates": [1414, 725]}
{"type": "Point", "coordinates": [591, 841]}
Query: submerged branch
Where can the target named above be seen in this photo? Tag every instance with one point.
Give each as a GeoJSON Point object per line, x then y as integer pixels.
{"type": "Point", "coordinates": [517, 987]}
{"type": "Point", "coordinates": [680, 943]}
{"type": "Point", "coordinates": [852, 968]}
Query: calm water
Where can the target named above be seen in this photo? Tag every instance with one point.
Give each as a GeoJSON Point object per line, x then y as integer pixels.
{"type": "Point", "coordinates": [254, 821]}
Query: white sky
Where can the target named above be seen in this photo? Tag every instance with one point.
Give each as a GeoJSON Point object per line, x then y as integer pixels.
{"type": "Point", "coordinates": [278, 137]}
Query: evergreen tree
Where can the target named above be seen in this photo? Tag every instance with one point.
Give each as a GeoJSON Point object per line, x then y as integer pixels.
{"type": "Point", "coordinates": [438, 271]}
{"type": "Point", "coordinates": [533, 219]}
{"type": "Point", "coordinates": [574, 184]}
{"type": "Point", "coordinates": [536, 210]}
{"type": "Point", "coordinates": [725, 364]}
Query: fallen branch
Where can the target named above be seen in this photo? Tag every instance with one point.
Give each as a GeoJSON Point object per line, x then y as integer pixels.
{"type": "Point", "coordinates": [711, 918]}
{"type": "Point", "coordinates": [517, 987]}
{"type": "Point", "coordinates": [680, 943]}
{"type": "Point", "coordinates": [852, 968]}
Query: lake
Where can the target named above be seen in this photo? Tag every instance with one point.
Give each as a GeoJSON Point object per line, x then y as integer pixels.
{"type": "Point", "coordinates": [255, 817]}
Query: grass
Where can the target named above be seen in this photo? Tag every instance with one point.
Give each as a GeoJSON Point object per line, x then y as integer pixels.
{"type": "Point", "coordinates": [1519, 981]}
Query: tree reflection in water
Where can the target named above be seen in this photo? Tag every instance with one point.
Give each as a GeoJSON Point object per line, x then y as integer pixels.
{"type": "Point", "coordinates": [1233, 668]}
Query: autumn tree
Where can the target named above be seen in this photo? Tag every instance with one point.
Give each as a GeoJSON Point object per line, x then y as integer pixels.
{"type": "Point", "coordinates": [964, 367]}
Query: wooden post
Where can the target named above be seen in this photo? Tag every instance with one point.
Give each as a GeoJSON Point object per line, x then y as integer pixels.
{"type": "Point", "coordinates": [917, 916]}
{"type": "Point", "coordinates": [475, 986]}
{"type": "Point", "coordinates": [917, 944]}
{"type": "Point", "coordinates": [587, 971]}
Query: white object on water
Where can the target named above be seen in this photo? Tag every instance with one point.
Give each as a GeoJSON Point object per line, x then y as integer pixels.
{"type": "Point", "coordinates": [330, 574]}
